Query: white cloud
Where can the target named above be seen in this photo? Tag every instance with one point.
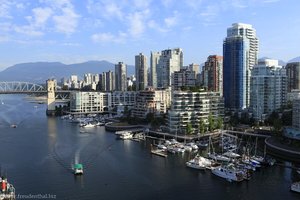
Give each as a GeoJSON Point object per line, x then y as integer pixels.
{"type": "Point", "coordinates": [270, 1]}
{"type": "Point", "coordinates": [108, 37]}
{"type": "Point", "coordinates": [105, 8]}
{"type": "Point", "coordinates": [137, 21]}
{"type": "Point", "coordinates": [167, 3]}
{"type": "Point", "coordinates": [5, 7]}
{"type": "Point", "coordinates": [28, 30]}
{"type": "Point", "coordinates": [172, 21]}
{"type": "Point", "coordinates": [67, 22]}
{"type": "Point", "coordinates": [41, 15]}
{"type": "Point", "coordinates": [142, 4]}
{"type": "Point", "coordinates": [152, 24]}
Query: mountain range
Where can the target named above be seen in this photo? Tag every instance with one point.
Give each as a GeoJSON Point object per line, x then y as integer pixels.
{"type": "Point", "coordinates": [39, 72]}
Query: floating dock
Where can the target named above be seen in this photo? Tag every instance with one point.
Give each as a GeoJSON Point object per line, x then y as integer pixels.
{"type": "Point", "coordinates": [159, 152]}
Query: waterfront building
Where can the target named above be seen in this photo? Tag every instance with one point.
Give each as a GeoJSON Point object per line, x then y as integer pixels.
{"type": "Point", "coordinates": [189, 107]}
{"type": "Point", "coordinates": [170, 60]}
{"type": "Point", "coordinates": [186, 77]}
{"type": "Point", "coordinates": [120, 77]}
{"type": "Point", "coordinates": [268, 88]}
{"type": "Point", "coordinates": [293, 74]}
{"type": "Point", "coordinates": [141, 72]}
{"type": "Point", "coordinates": [212, 73]}
{"type": "Point", "coordinates": [152, 101]}
{"type": "Point", "coordinates": [122, 100]}
{"type": "Point", "coordinates": [153, 65]}
{"type": "Point", "coordinates": [240, 50]}
{"type": "Point", "coordinates": [296, 113]}
{"type": "Point", "coordinates": [90, 102]}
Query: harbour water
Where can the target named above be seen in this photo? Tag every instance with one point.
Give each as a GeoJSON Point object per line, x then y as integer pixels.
{"type": "Point", "coordinates": [37, 157]}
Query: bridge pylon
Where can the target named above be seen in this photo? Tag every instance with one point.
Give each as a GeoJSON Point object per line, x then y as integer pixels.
{"type": "Point", "coordinates": [51, 87]}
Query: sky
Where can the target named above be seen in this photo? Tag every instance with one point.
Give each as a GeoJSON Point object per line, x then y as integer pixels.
{"type": "Point", "coordinates": [73, 31]}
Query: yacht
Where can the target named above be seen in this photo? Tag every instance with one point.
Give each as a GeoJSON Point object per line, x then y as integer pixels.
{"type": "Point", "coordinates": [7, 190]}
{"type": "Point", "coordinates": [78, 169]}
{"type": "Point", "coordinates": [295, 187]}
{"type": "Point", "coordinates": [228, 172]}
{"type": "Point", "coordinates": [195, 163]}
{"type": "Point", "coordinates": [13, 125]}
{"type": "Point", "coordinates": [199, 162]}
{"type": "Point", "coordinates": [218, 157]}
{"type": "Point", "coordinates": [88, 125]}
{"type": "Point", "coordinates": [126, 135]}
{"type": "Point", "coordinates": [161, 146]}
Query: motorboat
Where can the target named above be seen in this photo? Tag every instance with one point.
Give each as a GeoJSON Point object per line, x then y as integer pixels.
{"type": "Point", "coordinates": [7, 190]}
{"type": "Point", "coordinates": [78, 169]}
{"type": "Point", "coordinates": [296, 187]}
{"type": "Point", "coordinates": [126, 135]}
{"type": "Point", "coordinates": [228, 172]}
{"type": "Point", "coordinates": [161, 146]}
{"type": "Point", "coordinates": [298, 171]}
{"type": "Point", "coordinates": [88, 125]}
{"type": "Point", "coordinates": [13, 125]}
{"type": "Point", "coordinates": [195, 163]}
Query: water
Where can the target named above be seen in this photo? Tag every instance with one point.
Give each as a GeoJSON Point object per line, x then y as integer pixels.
{"type": "Point", "coordinates": [37, 157]}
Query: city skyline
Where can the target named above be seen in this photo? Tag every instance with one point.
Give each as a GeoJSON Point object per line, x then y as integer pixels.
{"type": "Point", "coordinates": [71, 32]}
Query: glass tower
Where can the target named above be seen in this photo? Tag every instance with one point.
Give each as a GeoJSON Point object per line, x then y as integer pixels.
{"type": "Point", "coordinates": [240, 49]}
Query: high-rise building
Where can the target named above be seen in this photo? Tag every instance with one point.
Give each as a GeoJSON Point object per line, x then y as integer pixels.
{"type": "Point", "coordinates": [109, 81]}
{"type": "Point", "coordinates": [293, 73]}
{"type": "Point", "coordinates": [184, 78]}
{"type": "Point", "coordinates": [268, 88]}
{"type": "Point", "coordinates": [153, 64]}
{"type": "Point", "coordinates": [170, 60]}
{"type": "Point", "coordinates": [120, 77]}
{"type": "Point", "coordinates": [212, 73]}
{"type": "Point", "coordinates": [240, 49]}
{"type": "Point", "coordinates": [141, 71]}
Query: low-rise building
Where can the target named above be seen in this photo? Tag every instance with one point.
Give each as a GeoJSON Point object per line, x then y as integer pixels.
{"type": "Point", "coordinates": [191, 107]}
{"type": "Point", "coordinates": [90, 102]}
{"type": "Point", "coordinates": [152, 101]}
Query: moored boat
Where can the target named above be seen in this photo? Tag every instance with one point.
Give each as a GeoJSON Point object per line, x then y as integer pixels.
{"type": "Point", "coordinates": [296, 187]}
{"type": "Point", "coordinates": [228, 172]}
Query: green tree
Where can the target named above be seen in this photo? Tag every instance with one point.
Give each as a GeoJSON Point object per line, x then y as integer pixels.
{"type": "Point", "coordinates": [189, 128]}
{"type": "Point", "coordinates": [202, 126]}
{"type": "Point", "coordinates": [211, 124]}
{"type": "Point", "coordinates": [277, 125]}
{"type": "Point", "coordinates": [219, 123]}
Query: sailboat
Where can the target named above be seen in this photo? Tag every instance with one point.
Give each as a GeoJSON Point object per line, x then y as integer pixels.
{"type": "Point", "coordinates": [215, 156]}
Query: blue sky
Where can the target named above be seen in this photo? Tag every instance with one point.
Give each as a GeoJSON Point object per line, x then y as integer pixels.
{"type": "Point", "coordinates": [72, 31]}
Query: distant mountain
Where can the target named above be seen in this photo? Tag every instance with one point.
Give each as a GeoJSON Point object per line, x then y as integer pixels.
{"type": "Point", "coordinates": [297, 59]}
{"type": "Point", "coordinates": [39, 72]}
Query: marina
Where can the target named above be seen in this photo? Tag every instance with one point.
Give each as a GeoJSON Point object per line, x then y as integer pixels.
{"type": "Point", "coordinates": [115, 168]}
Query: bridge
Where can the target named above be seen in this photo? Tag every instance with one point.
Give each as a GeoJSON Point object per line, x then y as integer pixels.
{"type": "Point", "coordinates": [54, 96]}
{"type": "Point", "coordinates": [16, 87]}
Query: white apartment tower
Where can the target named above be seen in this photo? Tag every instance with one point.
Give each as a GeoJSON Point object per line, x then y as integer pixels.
{"type": "Point", "coordinates": [268, 88]}
{"type": "Point", "coordinates": [170, 60]}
